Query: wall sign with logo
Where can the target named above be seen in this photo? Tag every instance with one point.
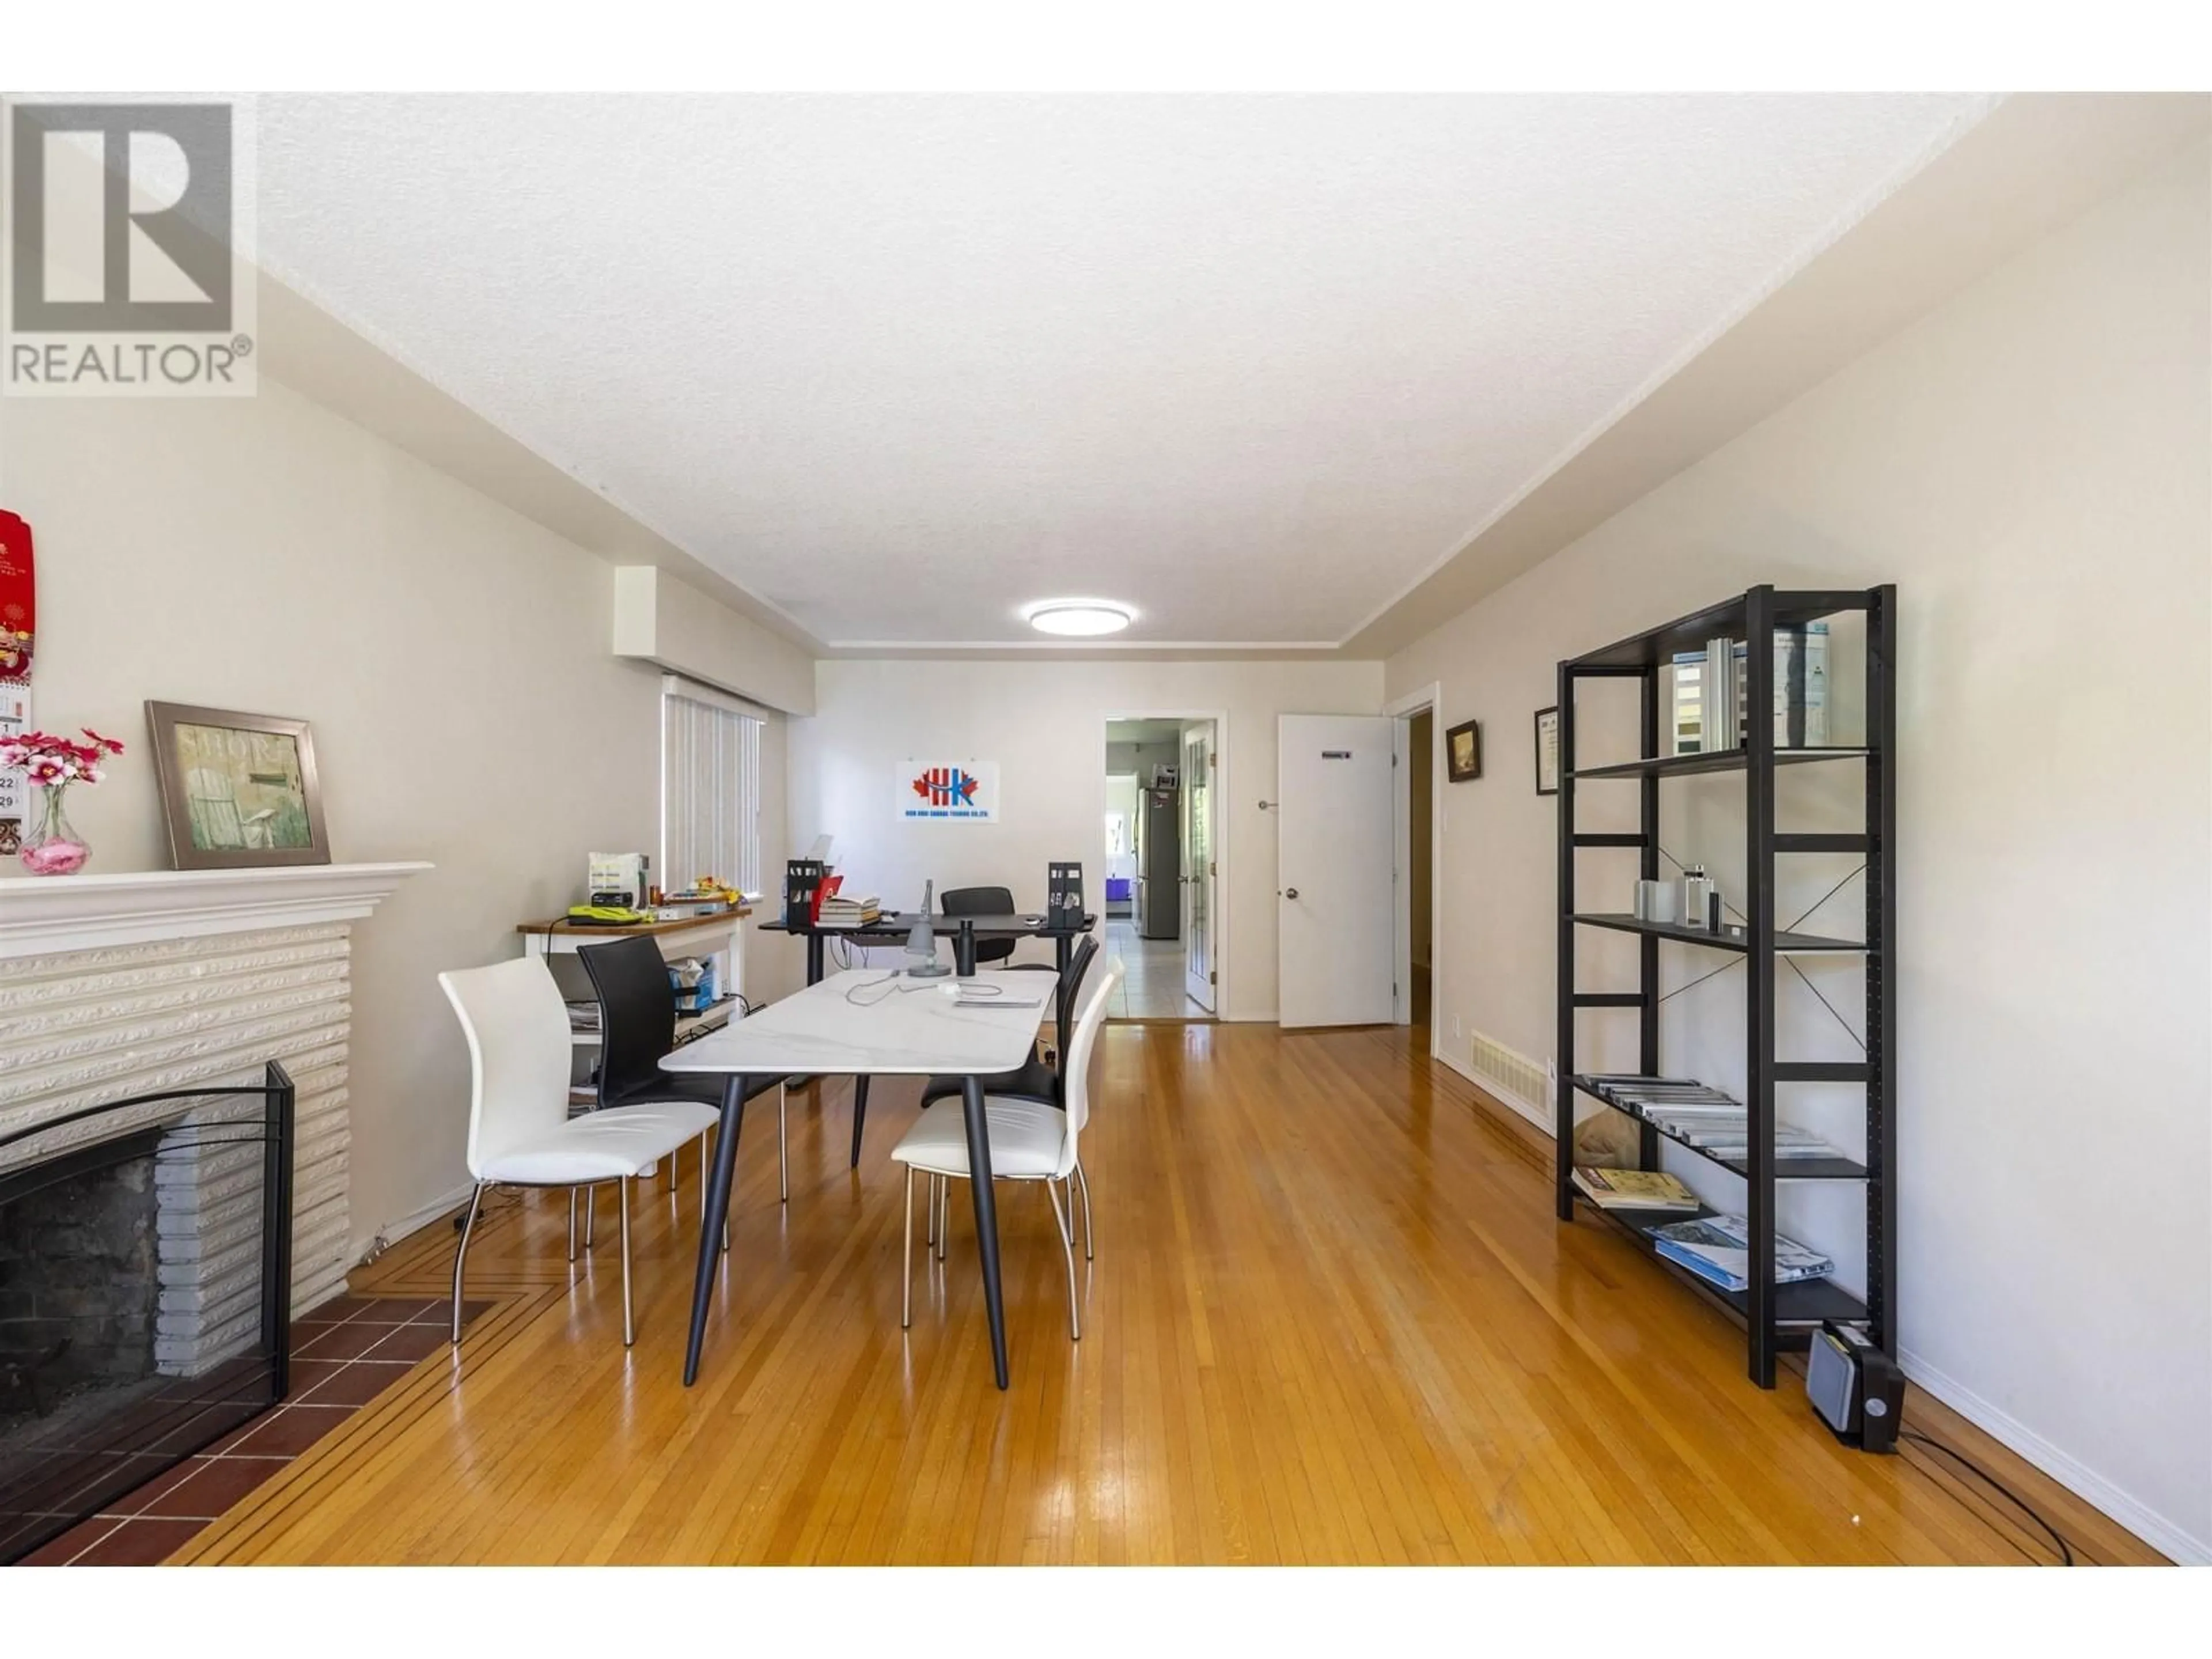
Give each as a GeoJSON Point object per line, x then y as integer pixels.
{"type": "Point", "coordinates": [129, 266]}
{"type": "Point", "coordinates": [957, 791]}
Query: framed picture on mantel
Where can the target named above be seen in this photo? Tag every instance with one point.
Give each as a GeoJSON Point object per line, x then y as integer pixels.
{"type": "Point", "coordinates": [239, 791]}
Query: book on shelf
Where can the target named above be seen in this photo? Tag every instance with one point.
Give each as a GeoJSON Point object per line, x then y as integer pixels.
{"type": "Point", "coordinates": [1717, 1249]}
{"type": "Point", "coordinates": [839, 910]}
{"type": "Point", "coordinates": [1634, 1189]}
{"type": "Point", "coordinates": [583, 1016]}
{"type": "Point", "coordinates": [1709, 702]}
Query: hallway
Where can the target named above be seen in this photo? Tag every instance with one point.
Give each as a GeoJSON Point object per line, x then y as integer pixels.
{"type": "Point", "coordinates": [1152, 986]}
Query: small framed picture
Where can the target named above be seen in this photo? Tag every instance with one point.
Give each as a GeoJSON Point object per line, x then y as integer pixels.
{"type": "Point", "coordinates": [1547, 751]}
{"type": "Point", "coordinates": [1166, 777]}
{"type": "Point", "coordinates": [239, 791]}
{"type": "Point", "coordinates": [1463, 752]}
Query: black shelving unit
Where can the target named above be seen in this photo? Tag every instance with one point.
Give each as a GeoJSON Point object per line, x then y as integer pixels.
{"type": "Point", "coordinates": [1776, 1316]}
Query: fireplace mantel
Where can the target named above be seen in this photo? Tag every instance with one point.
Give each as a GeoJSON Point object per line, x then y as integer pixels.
{"type": "Point", "coordinates": [42, 916]}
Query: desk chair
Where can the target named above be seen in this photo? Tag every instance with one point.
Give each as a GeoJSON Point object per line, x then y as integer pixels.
{"type": "Point", "coordinates": [637, 1026]}
{"type": "Point", "coordinates": [982, 901]}
{"type": "Point", "coordinates": [1030, 1140]}
{"type": "Point", "coordinates": [520, 1134]}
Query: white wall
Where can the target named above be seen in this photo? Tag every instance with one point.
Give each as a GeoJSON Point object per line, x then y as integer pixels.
{"type": "Point", "coordinates": [2029, 465]}
{"type": "Point", "coordinates": [1044, 723]}
{"type": "Point", "coordinates": [454, 657]}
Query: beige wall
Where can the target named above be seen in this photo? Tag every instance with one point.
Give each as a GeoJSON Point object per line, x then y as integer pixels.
{"type": "Point", "coordinates": [265, 554]}
{"type": "Point", "coordinates": [2029, 464]}
{"type": "Point", "coordinates": [1045, 724]}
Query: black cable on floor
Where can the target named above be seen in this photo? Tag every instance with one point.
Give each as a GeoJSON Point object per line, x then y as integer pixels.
{"type": "Point", "coordinates": [2065, 1553]}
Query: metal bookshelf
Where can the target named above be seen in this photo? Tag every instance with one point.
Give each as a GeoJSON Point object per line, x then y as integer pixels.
{"type": "Point", "coordinates": [1776, 1317]}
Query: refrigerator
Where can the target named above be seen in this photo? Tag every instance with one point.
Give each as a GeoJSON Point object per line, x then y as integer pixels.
{"type": "Point", "coordinates": [1159, 863]}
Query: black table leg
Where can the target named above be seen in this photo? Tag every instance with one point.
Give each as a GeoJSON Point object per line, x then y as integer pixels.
{"type": "Point", "coordinates": [860, 1115]}
{"type": "Point", "coordinates": [718, 1211]}
{"type": "Point", "coordinates": [987, 1217]}
{"type": "Point", "coordinates": [814, 958]}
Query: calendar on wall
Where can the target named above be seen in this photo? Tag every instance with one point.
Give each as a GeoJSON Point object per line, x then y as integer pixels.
{"type": "Point", "coordinates": [18, 624]}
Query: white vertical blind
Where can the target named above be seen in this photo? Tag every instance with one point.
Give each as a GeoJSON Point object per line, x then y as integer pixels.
{"type": "Point", "coordinates": [709, 788]}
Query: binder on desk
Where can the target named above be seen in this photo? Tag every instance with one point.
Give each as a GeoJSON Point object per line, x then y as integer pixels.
{"type": "Point", "coordinates": [1063, 905]}
{"type": "Point", "coordinates": [802, 889]}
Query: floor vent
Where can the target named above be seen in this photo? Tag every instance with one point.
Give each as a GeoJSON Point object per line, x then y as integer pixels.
{"type": "Point", "coordinates": [1517, 1077]}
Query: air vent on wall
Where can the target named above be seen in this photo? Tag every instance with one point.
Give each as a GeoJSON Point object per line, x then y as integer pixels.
{"type": "Point", "coordinates": [1520, 1080]}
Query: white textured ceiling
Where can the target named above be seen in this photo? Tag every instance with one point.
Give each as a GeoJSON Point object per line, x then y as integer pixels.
{"type": "Point", "coordinates": [899, 365]}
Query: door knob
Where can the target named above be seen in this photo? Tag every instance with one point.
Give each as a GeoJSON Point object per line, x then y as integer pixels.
{"type": "Point", "coordinates": [1290, 892]}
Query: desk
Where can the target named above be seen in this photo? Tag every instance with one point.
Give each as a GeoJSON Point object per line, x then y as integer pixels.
{"type": "Point", "coordinates": [862, 1023]}
{"type": "Point", "coordinates": [892, 927]}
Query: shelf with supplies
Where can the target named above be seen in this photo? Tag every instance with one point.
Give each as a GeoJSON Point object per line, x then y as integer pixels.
{"type": "Point", "coordinates": [1718, 760]}
{"type": "Point", "coordinates": [1739, 687]}
{"type": "Point", "coordinates": [1730, 938]}
{"type": "Point", "coordinates": [1786, 1169]}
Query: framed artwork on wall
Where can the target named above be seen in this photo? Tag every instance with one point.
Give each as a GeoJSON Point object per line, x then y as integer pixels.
{"type": "Point", "coordinates": [1547, 751]}
{"type": "Point", "coordinates": [239, 791]}
{"type": "Point", "coordinates": [1463, 752]}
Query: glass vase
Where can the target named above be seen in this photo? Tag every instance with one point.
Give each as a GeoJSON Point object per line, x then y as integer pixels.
{"type": "Point", "coordinates": [52, 848]}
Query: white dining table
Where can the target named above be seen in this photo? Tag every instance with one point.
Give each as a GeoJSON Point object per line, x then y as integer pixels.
{"type": "Point", "coordinates": [872, 1022]}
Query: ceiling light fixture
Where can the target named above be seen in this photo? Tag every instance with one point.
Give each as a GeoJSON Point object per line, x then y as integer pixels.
{"type": "Point", "coordinates": [1079, 618]}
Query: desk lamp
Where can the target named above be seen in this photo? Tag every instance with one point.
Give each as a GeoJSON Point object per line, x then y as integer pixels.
{"type": "Point", "coordinates": [921, 943]}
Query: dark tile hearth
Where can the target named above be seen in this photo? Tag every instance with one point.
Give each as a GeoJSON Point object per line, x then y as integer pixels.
{"type": "Point", "coordinates": [345, 1353]}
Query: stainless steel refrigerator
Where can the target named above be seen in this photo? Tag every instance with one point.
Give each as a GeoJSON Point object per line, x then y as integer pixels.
{"type": "Point", "coordinates": [1159, 863]}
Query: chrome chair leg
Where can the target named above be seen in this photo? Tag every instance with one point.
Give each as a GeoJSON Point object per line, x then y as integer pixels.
{"type": "Point", "coordinates": [906, 1280]}
{"type": "Point", "coordinates": [461, 1257]}
{"type": "Point", "coordinates": [929, 1226]}
{"type": "Point", "coordinates": [622, 1194]}
{"type": "Point", "coordinates": [944, 1214]}
{"type": "Point", "coordinates": [1083, 1181]}
{"type": "Point", "coordinates": [591, 1217]}
{"type": "Point", "coordinates": [1068, 1245]}
{"type": "Point", "coordinates": [782, 1162]}
{"type": "Point", "coordinates": [672, 1175]}
{"type": "Point", "coordinates": [572, 1224]}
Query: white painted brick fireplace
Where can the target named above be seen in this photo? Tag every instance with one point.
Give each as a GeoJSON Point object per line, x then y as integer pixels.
{"type": "Point", "coordinates": [112, 985]}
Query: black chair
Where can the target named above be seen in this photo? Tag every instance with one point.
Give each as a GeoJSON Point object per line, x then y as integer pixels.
{"type": "Point", "coordinates": [637, 1026]}
{"type": "Point", "coordinates": [983, 901]}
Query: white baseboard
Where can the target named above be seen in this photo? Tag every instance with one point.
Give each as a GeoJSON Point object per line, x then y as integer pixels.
{"type": "Point", "coordinates": [413, 1222]}
{"type": "Point", "coordinates": [2154, 1529]}
{"type": "Point", "coordinates": [1536, 1115]}
{"type": "Point", "coordinates": [1267, 1018]}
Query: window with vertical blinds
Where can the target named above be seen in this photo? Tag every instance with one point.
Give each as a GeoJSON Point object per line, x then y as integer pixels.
{"type": "Point", "coordinates": [709, 788]}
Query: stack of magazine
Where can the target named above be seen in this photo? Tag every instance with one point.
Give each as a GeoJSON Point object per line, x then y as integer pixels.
{"type": "Point", "coordinates": [1717, 1249]}
{"type": "Point", "coordinates": [1715, 1123]}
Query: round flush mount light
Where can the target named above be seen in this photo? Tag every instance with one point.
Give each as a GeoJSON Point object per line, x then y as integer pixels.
{"type": "Point", "coordinates": [1078, 618]}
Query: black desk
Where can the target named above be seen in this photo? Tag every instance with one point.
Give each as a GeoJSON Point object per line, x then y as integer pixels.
{"type": "Point", "coordinates": [892, 928]}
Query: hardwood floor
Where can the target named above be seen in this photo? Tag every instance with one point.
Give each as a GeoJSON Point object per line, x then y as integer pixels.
{"type": "Point", "coordinates": [1332, 1319]}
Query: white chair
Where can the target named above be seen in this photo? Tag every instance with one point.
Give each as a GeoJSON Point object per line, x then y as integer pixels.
{"type": "Point", "coordinates": [520, 1134]}
{"type": "Point", "coordinates": [1030, 1140]}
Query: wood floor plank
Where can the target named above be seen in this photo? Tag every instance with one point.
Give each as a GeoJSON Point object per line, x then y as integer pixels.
{"type": "Point", "coordinates": [1331, 1319]}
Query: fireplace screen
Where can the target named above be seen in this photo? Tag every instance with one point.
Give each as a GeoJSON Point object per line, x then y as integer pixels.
{"type": "Point", "coordinates": [145, 1293]}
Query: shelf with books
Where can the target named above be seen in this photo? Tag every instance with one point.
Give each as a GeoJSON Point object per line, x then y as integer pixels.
{"type": "Point", "coordinates": [1730, 938]}
{"type": "Point", "coordinates": [1720, 760]}
{"type": "Point", "coordinates": [1798, 1306]}
{"type": "Point", "coordinates": [1785, 1169]}
{"type": "Point", "coordinates": [1696, 680]}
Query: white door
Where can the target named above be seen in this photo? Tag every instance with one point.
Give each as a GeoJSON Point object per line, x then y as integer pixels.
{"type": "Point", "coordinates": [1198, 864]}
{"type": "Point", "coordinates": [1334, 917]}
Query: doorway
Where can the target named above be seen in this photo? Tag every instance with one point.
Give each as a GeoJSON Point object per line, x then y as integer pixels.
{"type": "Point", "coordinates": [1419, 756]}
{"type": "Point", "coordinates": [1161, 921]}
